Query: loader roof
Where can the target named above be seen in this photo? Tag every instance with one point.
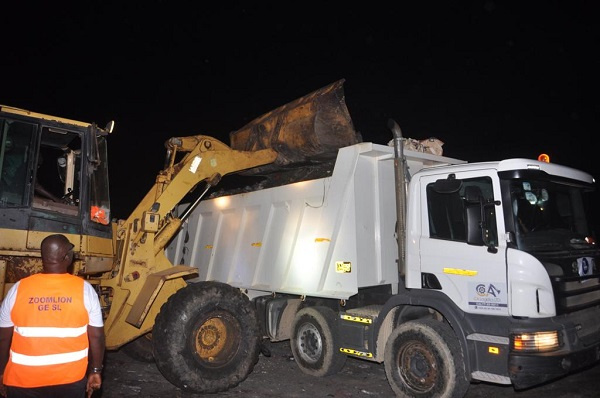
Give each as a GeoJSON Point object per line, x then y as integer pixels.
{"type": "Point", "coordinates": [23, 112]}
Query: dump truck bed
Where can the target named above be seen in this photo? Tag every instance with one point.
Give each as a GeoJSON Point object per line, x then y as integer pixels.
{"type": "Point", "coordinates": [325, 237]}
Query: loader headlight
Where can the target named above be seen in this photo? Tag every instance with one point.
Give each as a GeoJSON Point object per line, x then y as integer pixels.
{"type": "Point", "coordinates": [535, 342]}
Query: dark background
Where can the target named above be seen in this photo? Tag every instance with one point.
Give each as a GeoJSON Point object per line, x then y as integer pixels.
{"type": "Point", "coordinates": [491, 79]}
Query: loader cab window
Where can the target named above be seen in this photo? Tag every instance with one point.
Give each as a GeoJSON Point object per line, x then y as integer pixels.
{"type": "Point", "coordinates": [455, 210]}
{"type": "Point", "coordinates": [16, 140]}
{"type": "Point", "coordinates": [57, 172]}
{"type": "Point", "coordinates": [99, 195]}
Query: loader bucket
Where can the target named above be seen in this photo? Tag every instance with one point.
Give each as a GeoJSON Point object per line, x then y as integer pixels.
{"type": "Point", "coordinates": [308, 130]}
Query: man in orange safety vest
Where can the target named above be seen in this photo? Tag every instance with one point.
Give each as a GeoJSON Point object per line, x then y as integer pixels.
{"type": "Point", "coordinates": [49, 322]}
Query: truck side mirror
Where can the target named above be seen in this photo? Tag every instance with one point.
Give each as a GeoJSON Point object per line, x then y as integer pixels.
{"type": "Point", "coordinates": [474, 215]}
{"type": "Point", "coordinates": [448, 185]}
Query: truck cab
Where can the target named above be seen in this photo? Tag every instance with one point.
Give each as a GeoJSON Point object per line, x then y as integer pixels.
{"type": "Point", "coordinates": [510, 245]}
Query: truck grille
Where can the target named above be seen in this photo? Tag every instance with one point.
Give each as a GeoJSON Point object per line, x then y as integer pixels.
{"type": "Point", "coordinates": [575, 293]}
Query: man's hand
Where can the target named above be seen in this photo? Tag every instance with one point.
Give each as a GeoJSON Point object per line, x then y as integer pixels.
{"type": "Point", "coordinates": [94, 383]}
{"type": "Point", "coordinates": [96, 338]}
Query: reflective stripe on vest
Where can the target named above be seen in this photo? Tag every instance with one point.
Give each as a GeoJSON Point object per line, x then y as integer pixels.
{"type": "Point", "coordinates": [50, 343]}
{"type": "Point", "coordinates": [50, 332]}
{"type": "Point", "coordinates": [42, 360]}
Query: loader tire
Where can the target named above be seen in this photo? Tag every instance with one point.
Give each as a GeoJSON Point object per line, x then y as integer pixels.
{"type": "Point", "coordinates": [206, 338]}
{"type": "Point", "coordinates": [314, 342]}
{"type": "Point", "coordinates": [140, 349]}
{"type": "Point", "coordinates": [423, 358]}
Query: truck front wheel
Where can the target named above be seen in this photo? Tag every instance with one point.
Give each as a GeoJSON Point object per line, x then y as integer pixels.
{"type": "Point", "coordinates": [423, 358]}
{"type": "Point", "coordinates": [313, 342]}
{"type": "Point", "coordinates": [206, 338]}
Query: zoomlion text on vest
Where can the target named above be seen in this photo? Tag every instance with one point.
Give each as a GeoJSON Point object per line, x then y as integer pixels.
{"type": "Point", "coordinates": [52, 300]}
{"type": "Point", "coordinates": [43, 303]}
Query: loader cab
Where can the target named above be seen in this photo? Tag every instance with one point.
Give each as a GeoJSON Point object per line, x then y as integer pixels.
{"type": "Point", "coordinates": [53, 178]}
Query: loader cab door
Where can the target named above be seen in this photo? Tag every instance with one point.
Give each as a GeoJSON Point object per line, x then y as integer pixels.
{"type": "Point", "coordinates": [57, 172]}
{"type": "Point", "coordinates": [70, 182]}
{"type": "Point", "coordinates": [54, 184]}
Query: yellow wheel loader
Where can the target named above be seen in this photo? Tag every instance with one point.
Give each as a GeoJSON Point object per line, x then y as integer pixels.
{"type": "Point", "coordinates": [54, 179]}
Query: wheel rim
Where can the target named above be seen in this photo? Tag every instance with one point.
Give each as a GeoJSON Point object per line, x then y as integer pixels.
{"type": "Point", "coordinates": [216, 339]}
{"type": "Point", "coordinates": [417, 366]}
{"type": "Point", "coordinates": [309, 343]}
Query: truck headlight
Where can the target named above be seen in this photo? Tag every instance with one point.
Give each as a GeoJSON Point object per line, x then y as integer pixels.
{"type": "Point", "coordinates": [535, 342]}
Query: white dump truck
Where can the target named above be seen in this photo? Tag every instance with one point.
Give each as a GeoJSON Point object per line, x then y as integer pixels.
{"type": "Point", "coordinates": [446, 271]}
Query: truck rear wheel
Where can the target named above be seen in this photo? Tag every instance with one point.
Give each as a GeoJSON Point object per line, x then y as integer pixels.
{"type": "Point", "coordinates": [423, 358]}
{"type": "Point", "coordinates": [206, 337]}
{"type": "Point", "coordinates": [313, 342]}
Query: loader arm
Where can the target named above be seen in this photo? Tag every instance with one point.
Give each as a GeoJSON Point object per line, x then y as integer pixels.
{"type": "Point", "coordinates": [206, 159]}
{"type": "Point", "coordinates": [143, 275]}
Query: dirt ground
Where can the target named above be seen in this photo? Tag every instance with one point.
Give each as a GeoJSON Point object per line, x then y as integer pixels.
{"type": "Point", "coordinates": [278, 376]}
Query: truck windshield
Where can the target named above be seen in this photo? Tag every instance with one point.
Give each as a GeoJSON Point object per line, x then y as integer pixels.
{"type": "Point", "coordinates": [550, 215]}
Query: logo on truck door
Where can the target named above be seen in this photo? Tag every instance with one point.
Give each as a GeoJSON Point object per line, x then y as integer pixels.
{"type": "Point", "coordinates": [487, 296]}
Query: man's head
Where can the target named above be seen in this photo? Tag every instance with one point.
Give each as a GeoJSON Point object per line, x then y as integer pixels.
{"type": "Point", "coordinates": [57, 254]}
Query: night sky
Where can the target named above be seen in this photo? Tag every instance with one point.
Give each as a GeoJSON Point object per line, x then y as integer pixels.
{"type": "Point", "coordinates": [491, 79]}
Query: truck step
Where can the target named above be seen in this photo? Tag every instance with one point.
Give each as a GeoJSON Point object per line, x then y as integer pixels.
{"type": "Point", "coordinates": [369, 310]}
{"type": "Point", "coordinates": [365, 315]}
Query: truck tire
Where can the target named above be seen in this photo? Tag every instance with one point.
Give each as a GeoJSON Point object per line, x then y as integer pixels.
{"type": "Point", "coordinates": [314, 340]}
{"type": "Point", "coordinates": [423, 358]}
{"type": "Point", "coordinates": [206, 337]}
{"type": "Point", "coordinates": [140, 349]}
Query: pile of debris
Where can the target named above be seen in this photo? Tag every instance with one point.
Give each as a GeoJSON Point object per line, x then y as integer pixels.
{"type": "Point", "coordinates": [429, 145]}
{"type": "Point", "coordinates": [306, 134]}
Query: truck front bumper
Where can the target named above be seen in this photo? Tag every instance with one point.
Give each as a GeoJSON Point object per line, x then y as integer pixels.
{"type": "Point", "coordinates": [527, 370]}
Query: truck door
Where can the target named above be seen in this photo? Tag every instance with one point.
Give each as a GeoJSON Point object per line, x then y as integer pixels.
{"type": "Point", "coordinates": [465, 262]}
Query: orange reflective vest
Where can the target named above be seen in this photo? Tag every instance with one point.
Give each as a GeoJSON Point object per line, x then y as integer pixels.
{"type": "Point", "coordinates": [50, 342]}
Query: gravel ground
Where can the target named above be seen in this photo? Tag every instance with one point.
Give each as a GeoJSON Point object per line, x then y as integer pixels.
{"type": "Point", "coordinates": [279, 376]}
